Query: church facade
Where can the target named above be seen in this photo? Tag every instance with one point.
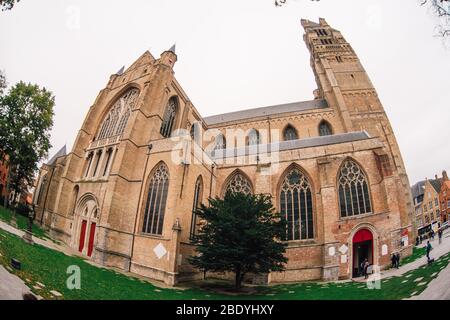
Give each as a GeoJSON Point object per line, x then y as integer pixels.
{"type": "Point", "coordinates": [144, 159]}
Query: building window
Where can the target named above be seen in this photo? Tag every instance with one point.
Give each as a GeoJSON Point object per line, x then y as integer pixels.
{"type": "Point", "coordinates": [220, 142]}
{"type": "Point", "coordinates": [196, 132]}
{"type": "Point", "coordinates": [117, 118]}
{"type": "Point", "coordinates": [290, 133]}
{"type": "Point", "coordinates": [169, 118]}
{"type": "Point", "coordinates": [239, 184]}
{"type": "Point", "coordinates": [156, 201]}
{"type": "Point", "coordinates": [354, 196]}
{"type": "Point", "coordinates": [89, 163]}
{"type": "Point", "coordinates": [436, 202]}
{"type": "Point", "coordinates": [196, 204]}
{"type": "Point", "coordinates": [253, 137]}
{"type": "Point", "coordinates": [448, 204]}
{"type": "Point", "coordinates": [97, 162]}
{"type": "Point", "coordinates": [75, 191]}
{"type": "Point", "coordinates": [296, 206]}
{"type": "Point", "coordinates": [108, 160]}
{"type": "Point", "coordinates": [427, 220]}
{"type": "Point", "coordinates": [325, 129]}
{"type": "Point", "coordinates": [432, 216]}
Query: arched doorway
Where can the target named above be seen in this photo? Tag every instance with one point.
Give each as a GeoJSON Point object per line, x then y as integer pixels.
{"type": "Point", "coordinates": [86, 215]}
{"type": "Point", "coordinates": [362, 244]}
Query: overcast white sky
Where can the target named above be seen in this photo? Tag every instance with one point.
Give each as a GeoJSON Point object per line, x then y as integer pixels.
{"type": "Point", "coordinates": [235, 54]}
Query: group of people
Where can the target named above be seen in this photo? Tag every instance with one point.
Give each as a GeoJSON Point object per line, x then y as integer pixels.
{"type": "Point", "coordinates": [430, 235]}
{"type": "Point", "coordinates": [395, 260]}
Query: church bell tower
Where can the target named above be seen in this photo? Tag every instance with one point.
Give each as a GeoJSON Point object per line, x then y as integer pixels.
{"type": "Point", "coordinates": [344, 83]}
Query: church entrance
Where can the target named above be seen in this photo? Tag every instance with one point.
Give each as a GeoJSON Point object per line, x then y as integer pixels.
{"type": "Point", "coordinates": [87, 217]}
{"type": "Point", "coordinates": [362, 249]}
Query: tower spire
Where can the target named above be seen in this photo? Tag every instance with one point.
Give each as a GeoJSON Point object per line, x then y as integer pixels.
{"type": "Point", "coordinates": [121, 71]}
{"type": "Point", "coordinates": [169, 57]}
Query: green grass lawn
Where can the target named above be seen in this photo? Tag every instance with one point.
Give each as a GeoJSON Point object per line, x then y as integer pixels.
{"type": "Point", "coordinates": [22, 222]}
{"type": "Point", "coordinates": [40, 264]}
{"type": "Point", "coordinates": [416, 254]}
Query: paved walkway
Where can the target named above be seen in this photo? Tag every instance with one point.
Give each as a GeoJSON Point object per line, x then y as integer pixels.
{"type": "Point", "coordinates": [438, 289]}
{"type": "Point", "coordinates": [11, 286]}
{"type": "Point", "coordinates": [438, 251]}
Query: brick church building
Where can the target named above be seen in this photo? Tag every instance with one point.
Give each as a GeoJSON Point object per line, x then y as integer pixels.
{"type": "Point", "coordinates": [144, 159]}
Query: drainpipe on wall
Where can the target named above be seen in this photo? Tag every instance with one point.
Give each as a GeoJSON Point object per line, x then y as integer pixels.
{"type": "Point", "coordinates": [211, 179]}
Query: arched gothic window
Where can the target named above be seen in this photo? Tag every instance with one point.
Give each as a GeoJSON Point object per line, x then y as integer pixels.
{"type": "Point", "coordinates": [88, 163]}
{"type": "Point", "coordinates": [75, 191]}
{"type": "Point", "coordinates": [196, 132]}
{"type": "Point", "coordinates": [239, 184]}
{"type": "Point", "coordinates": [297, 206]}
{"type": "Point", "coordinates": [253, 137]}
{"type": "Point", "coordinates": [169, 118]}
{"type": "Point", "coordinates": [117, 117]}
{"type": "Point", "coordinates": [325, 129]}
{"type": "Point", "coordinates": [156, 201]}
{"type": "Point", "coordinates": [290, 133]}
{"type": "Point", "coordinates": [354, 196]}
{"type": "Point", "coordinates": [198, 189]}
{"type": "Point", "coordinates": [220, 143]}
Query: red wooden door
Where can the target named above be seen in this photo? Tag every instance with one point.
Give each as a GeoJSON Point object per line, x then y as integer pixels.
{"type": "Point", "coordinates": [91, 238]}
{"type": "Point", "coordinates": [82, 235]}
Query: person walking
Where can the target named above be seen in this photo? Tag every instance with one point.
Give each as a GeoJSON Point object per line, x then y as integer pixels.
{"type": "Point", "coordinates": [397, 260]}
{"type": "Point", "coordinates": [393, 260]}
{"type": "Point", "coordinates": [366, 266]}
{"type": "Point", "coordinates": [429, 248]}
{"type": "Point", "coordinates": [440, 236]}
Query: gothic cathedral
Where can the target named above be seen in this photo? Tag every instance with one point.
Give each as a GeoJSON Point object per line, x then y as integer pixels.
{"type": "Point", "coordinates": [144, 159]}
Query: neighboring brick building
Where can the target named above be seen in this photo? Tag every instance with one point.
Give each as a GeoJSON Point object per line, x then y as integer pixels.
{"type": "Point", "coordinates": [124, 195]}
{"type": "Point", "coordinates": [417, 192]}
{"type": "Point", "coordinates": [444, 198]}
{"type": "Point", "coordinates": [431, 210]}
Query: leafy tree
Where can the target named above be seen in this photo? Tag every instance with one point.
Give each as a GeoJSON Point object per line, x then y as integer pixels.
{"type": "Point", "coordinates": [7, 4]}
{"type": "Point", "coordinates": [3, 83]}
{"type": "Point", "coordinates": [26, 118]}
{"type": "Point", "coordinates": [241, 234]}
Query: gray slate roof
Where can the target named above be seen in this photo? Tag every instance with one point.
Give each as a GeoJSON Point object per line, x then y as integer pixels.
{"type": "Point", "coordinates": [418, 189]}
{"type": "Point", "coordinates": [292, 145]}
{"type": "Point", "coordinates": [436, 183]}
{"type": "Point", "coordinates": [60, 153]}
{"type": "Point", "coordinates": [267, 111]}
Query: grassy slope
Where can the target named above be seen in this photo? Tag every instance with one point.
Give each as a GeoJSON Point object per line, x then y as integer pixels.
{"type": "Point", "coordinates": [49, 267]}
{"type": "Point", "coordinates": [22, 222]}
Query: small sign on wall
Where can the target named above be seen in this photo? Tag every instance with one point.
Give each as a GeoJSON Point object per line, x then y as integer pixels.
{"type": "Point", "coordinates": [344, 258]}
{"type": "Point", "coordinates": [384, 250]}
{"type": "Point", "coordinates": [343, 249]}
{"type": "Point", "coordinates": [405, 241]}
{"type": "Point", "coordinates": [331, 251]}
